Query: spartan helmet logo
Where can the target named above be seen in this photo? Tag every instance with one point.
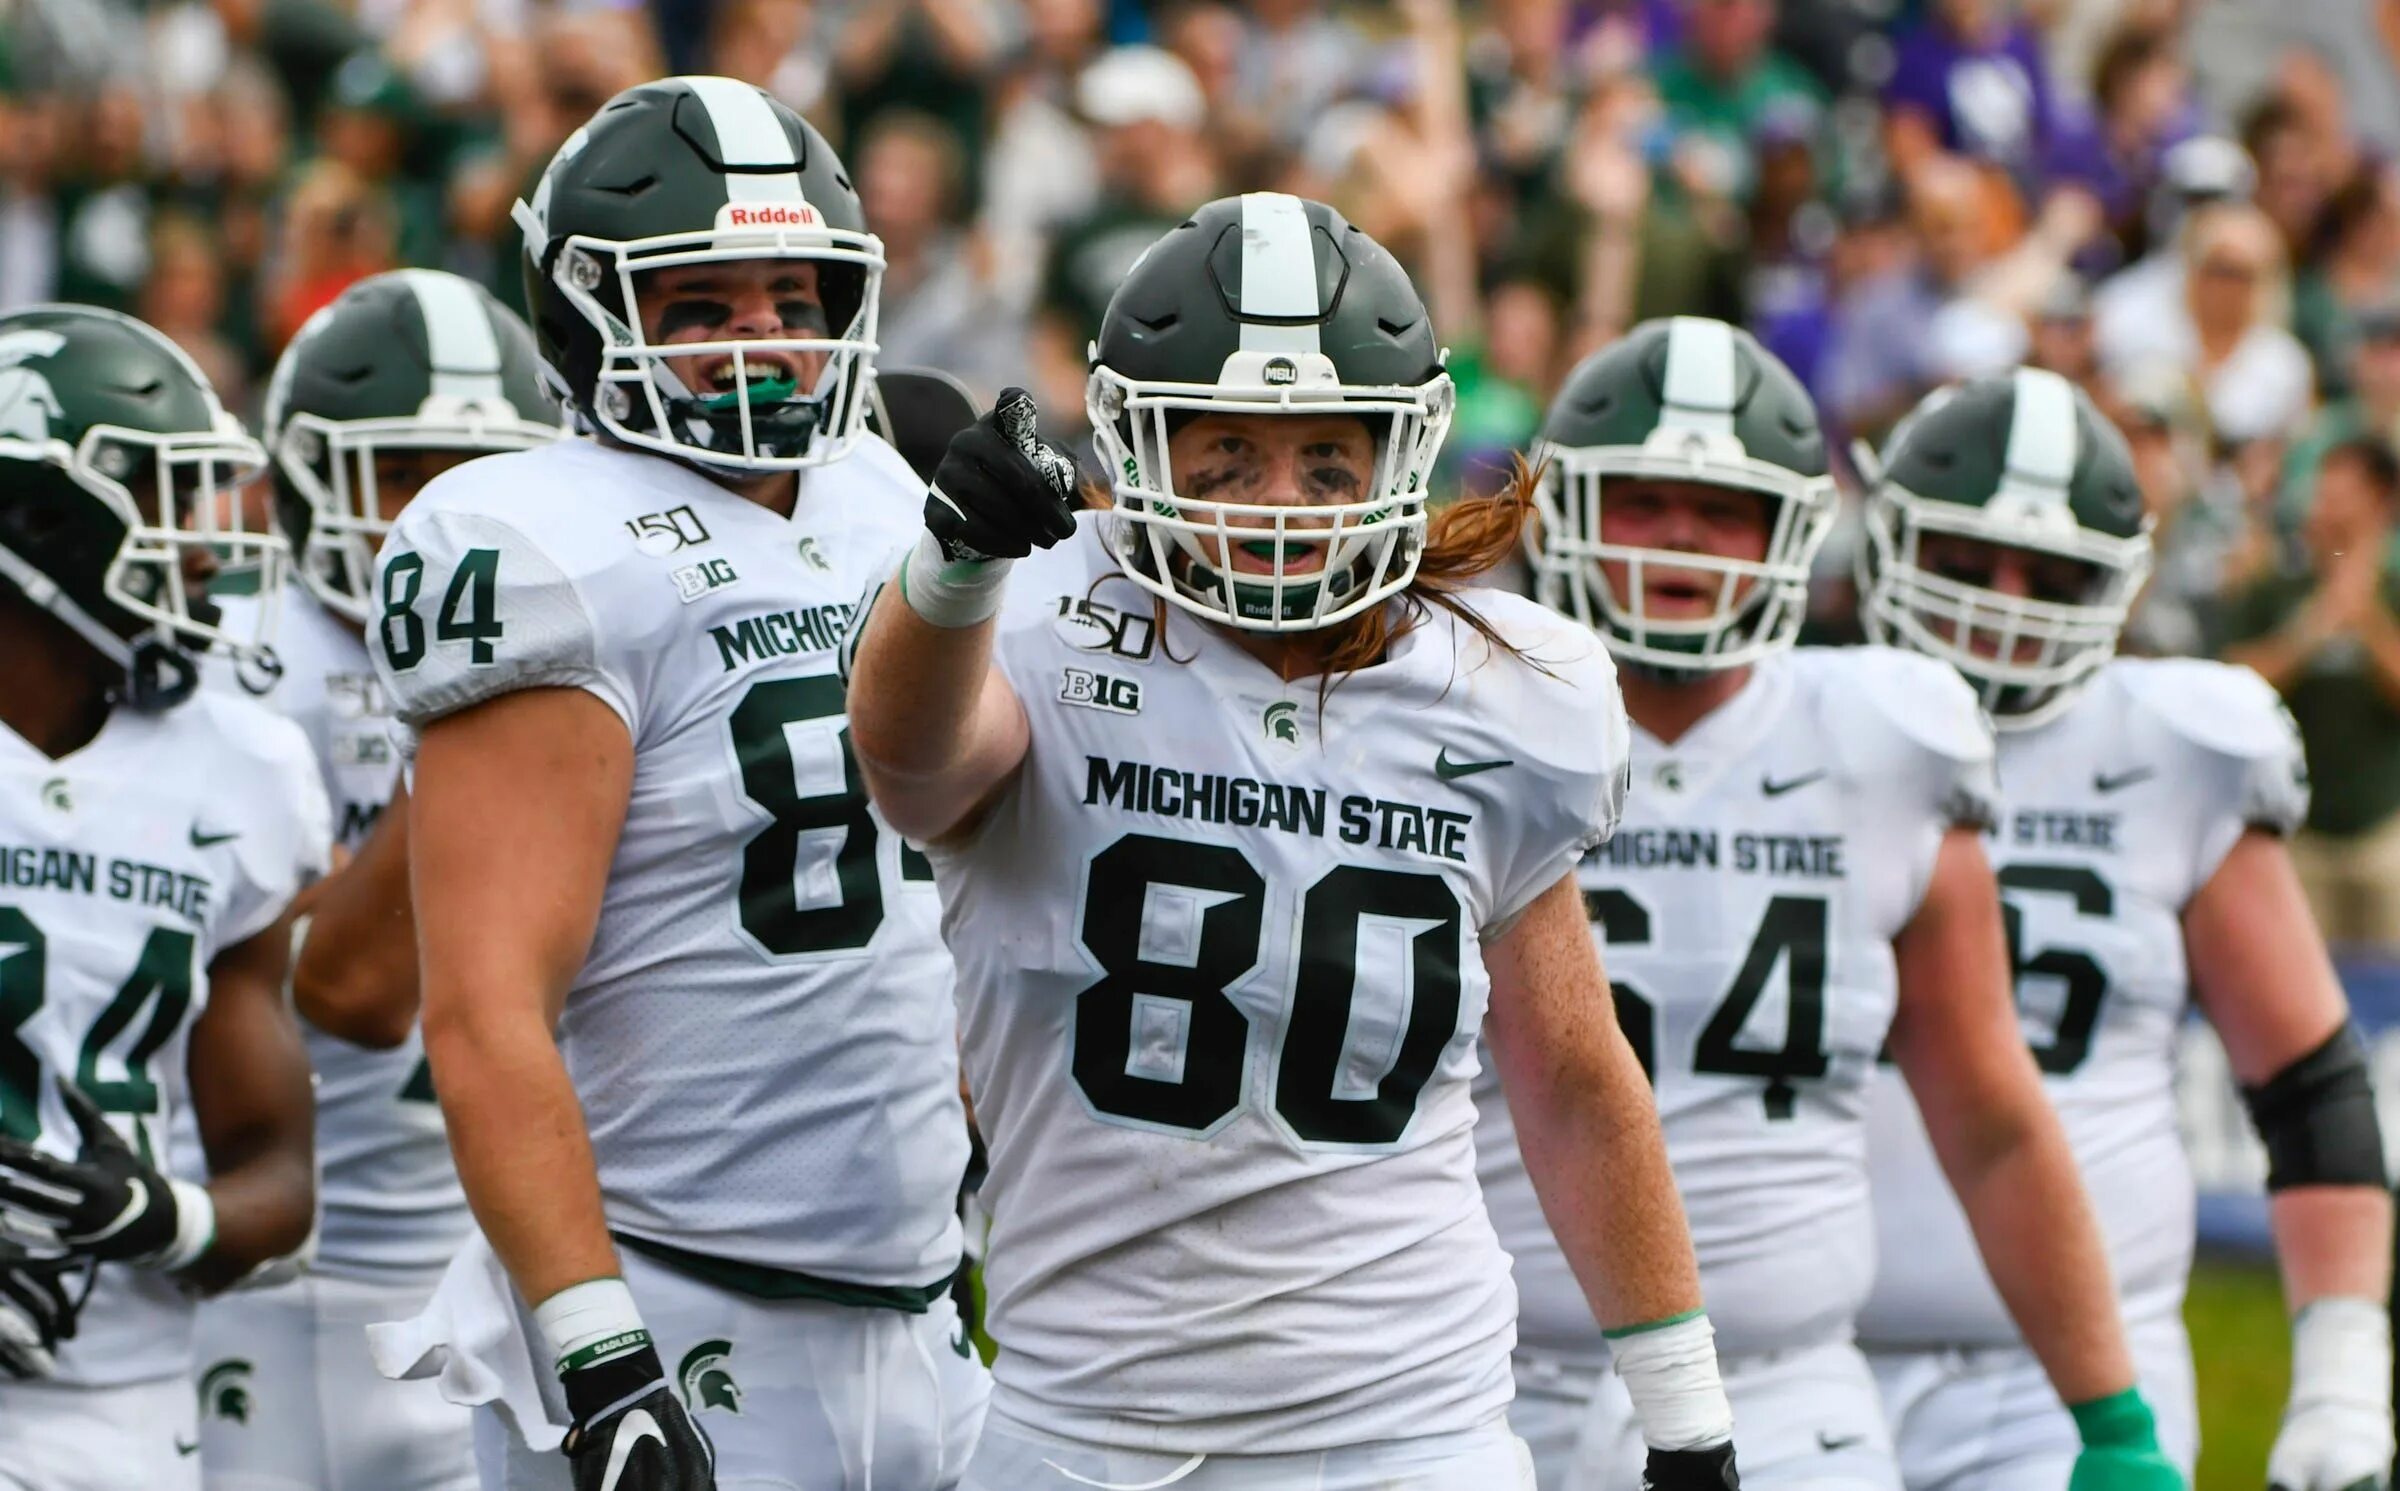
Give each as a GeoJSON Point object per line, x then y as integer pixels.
{"type": "Point", "coordinates": [707, 1382]}
{"type": "Point", "coordinates": [225, 1391]}
{"type": "Point", "coordinates": [812, 556]}
{"type": "Point", "coordinates": [27, 402]}
{"type": "Point", "coordinates": [1282, 723]}
{"type": "Point", "coordinates": [56, 797]}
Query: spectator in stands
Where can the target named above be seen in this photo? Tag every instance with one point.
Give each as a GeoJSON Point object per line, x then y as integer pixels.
{"type": "Point", "coordinates": [2063, 339]}
{"type": "Point", "coordinates": [1295, 61]}
{"type": "Point", "coordinates": [932, 56]}
{"type": "Point", "coordinates": [1717, 84]}
{"type": "Point", "coordinates": [1038, 171]}
{"type": "Point", "coordinates": [104, 204]}
{"type": "Point", "coordinates": [32, 129]}
{"type": "Point", "coordinates": [2142, 109]}
{"type": "Point", "coordinates": [938, 310]}
{"type": "Point", "coordinates": [1970, 80]}
{"type": "Point", "coordinates": [2229, 326]}
{"type": "Point", "coordinates": [184, 297]}
{"type": "Point", "coordinates": [1885, 352]}
{"type": "Point", "coordinates": [2371, 373]}
{"type": "Point", "coordinates": [2329, 641]}
{"type": "Point", "coordinates": [2199, 525]}
{"type": "Point", "coordinates": [2354, 262]}
{"type": "Point", "coordinates": [336, 230]}
{"type": "Point", "coordinates": [1153, 167]}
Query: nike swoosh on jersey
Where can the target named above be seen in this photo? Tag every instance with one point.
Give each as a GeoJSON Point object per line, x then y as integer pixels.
{"type": "Point", "coordinates": [1769, 787]}
{"type": "Point", "coordinates": [202, 839]}
{"type": "Point", "coordinates": [2104, 784]}
{"type": "Point", "coordinates": [1450, 771]}
{"type": "Point", "coordinates": [635, 1427]}
{"type": "Point", "coordinates": [1830, 1443]}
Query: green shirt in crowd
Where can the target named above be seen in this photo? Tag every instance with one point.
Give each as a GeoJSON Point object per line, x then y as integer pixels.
{"type": "Point", "coordinates": [2349, 728]}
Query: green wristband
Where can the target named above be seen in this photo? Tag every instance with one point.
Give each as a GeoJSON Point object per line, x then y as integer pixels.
{"type": "Point", "coordinates": [2120, 1421]}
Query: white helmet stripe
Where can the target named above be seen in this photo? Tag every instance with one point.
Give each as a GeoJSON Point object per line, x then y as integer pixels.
{"type": "Point", "coordinates": [1279, 274]}
{"type": "Point", "coordinates": [748, 134]}
{"type": "Point", "coordinates": [458, 337]}
{"type": "Point", "coordinates": [2042, 438]}
{"type": "Point", "coordinates": [1700, 384]}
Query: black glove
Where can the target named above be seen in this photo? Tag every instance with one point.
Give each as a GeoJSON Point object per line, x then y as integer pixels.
{"type": "Point", "coordinates": [40, 1299]}
{"type": "Point", "coordinates": [999, 492]}
{"type": "Point", "coordinates": [108, 1204]}
{"type": "Point", "coordinates": [631, 1432]}
{"type": "Point", "coordinates": [1707, 1469]}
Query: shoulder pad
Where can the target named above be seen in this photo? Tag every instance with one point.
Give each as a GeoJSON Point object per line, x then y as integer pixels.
{"type": "Point", "coordinates": [1922, 699]}
{"type": "Point", "coordinates": [2223, 708]}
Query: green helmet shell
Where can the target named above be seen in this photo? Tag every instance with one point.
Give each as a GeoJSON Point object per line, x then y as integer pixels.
{"type": "Point", "coordinates": [697, 170]}
{"type": "Point", "coordinates": [113, 454]}
{"type": "Point", "coordinates": [1619, 397]}
{"type": "Point", "coordinates": [1268, 305]}
{"type": "Point", "coordinates": [1684, 400]}
{"type": "Point", "coordinates": [413, 359]}
{"type": "Point", "coordinates": [2021, 461]}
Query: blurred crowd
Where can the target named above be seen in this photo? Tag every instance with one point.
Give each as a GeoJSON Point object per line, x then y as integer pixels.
{"type": "Point", "coordinates": [2191, 207]}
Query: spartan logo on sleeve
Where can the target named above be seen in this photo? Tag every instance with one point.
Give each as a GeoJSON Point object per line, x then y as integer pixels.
{"type": "Point", "coordinates": [707, 1381]}
{"type": "Point", "coordinates": [27, 402]}
{"type": "Point", "coordinates": [225, 1391]}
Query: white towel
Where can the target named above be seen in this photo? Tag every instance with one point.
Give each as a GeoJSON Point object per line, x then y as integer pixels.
{"type": "Point", "coordinates": [472, 1338]}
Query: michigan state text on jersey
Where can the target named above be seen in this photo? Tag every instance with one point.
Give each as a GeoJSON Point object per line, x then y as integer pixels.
{"type": "Point", "coordinates": [151, 845]}
{"type": "Point", "coordinates": [1231, 904]}
{"type": "Point", "coordinates": [2139, 846]}
{"type": "Point", "coordinates": [735, 1161]}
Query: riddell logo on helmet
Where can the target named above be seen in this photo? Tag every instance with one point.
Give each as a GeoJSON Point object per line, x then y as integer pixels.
{"type": "Point", "coordinates": [767, 215]}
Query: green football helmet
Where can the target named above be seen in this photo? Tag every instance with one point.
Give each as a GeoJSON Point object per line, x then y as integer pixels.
{"type": "Point", "coordinates": [410, 360]}
{"type": "Point", "coordinates": [116, 463]}
{"type": "Point", "coordinates": [2022, 461]}
{"type": "Point", "coordinates": [700, 170]}
{"type": "Point", "coordinates": [1273, 305]}
{"type": "Point", "coordinates": [1682, 399]}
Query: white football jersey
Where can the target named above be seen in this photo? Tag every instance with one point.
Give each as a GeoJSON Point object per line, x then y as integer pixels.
{"type": "Point", "coordinates": [389, 1195]}
{"type": "Point", "coordinates": [125, 869]}
{"type": "Point", "coordinates": [1221, 974]}
{"type": "Point", "coordinates": [1747, 907]}
{"type": "Point", "coordinates": [762, 1035]}
{"type": "Point", "coordinates": [2115, 814]}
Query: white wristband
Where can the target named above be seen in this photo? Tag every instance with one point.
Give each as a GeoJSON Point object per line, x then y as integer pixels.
{"type": "Point", "coordinates": [590, 1322]}
{"type": "Point", "coordinates": [2341, 1352]}
{"type": "Point", "coordinates": [1670, 1371]}
{"type": "Point", "coordinates": [951, 593]}
{"type": "Point", "coordinates": [195, 1227]}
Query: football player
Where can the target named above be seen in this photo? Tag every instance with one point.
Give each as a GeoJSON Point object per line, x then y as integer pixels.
{"type": "Point", "coordinates": [152, 841]}
{"type": "Point", "coordinates": [406, 375]}
{"type": "Point", "coordinates": [1799, 886]}
{"type": "Point", "coordinates": [2140, 844]}
{"type": "Point", "coordinates": [686, 1005]}
{"type": "Point", "coordinates": [1246, 814]}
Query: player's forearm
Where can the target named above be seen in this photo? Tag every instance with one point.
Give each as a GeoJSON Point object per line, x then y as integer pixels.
{"type": "Point", "coordinates": [1592, 1145]}
{"type": "Point", "coordinates": [265, 1205]}
{"type": "Point", "coordinates": [2332, 1242]}
{"type": "Point", "coordinates": [356, 974]}
{"type": "Point", "coordinates": [933, 725]}
{"type": "Point", "coordinates": [2041, 1243]}
{"type": "Point", "coordinates": [517, 1134]}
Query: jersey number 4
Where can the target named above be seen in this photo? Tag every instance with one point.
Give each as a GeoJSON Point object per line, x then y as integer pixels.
{"type": "Point", "coordinates": [1162, 1002]}
{"type": "Point", "coordinates": [1793, 929]}
{"type": "Point", "coordinates": [161, 981]}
